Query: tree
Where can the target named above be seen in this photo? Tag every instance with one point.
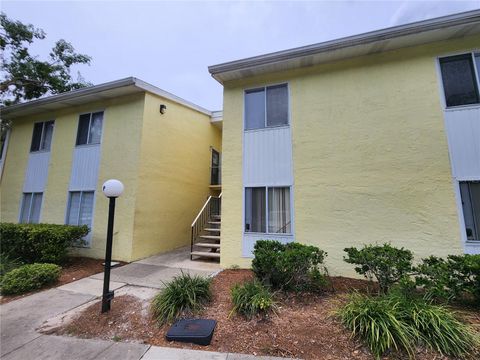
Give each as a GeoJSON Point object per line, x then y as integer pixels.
{"type": "Point", "coordinates": [25, 76]}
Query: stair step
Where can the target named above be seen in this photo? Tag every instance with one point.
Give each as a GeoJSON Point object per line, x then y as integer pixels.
{"type": "Point", "coordinates": [206, 254]}
{"type": "Point", "coordinates": [215, 222]}
{"type": "Point", "coordinates": [212, 237]}
{"type": "Point", "coordinates": [211, 229]}
{"type": "Point", "coordinates": [208, 245]}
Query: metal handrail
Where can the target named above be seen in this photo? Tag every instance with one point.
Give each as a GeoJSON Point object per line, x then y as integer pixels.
{"type": "Point", "coordinates": [200, 212]}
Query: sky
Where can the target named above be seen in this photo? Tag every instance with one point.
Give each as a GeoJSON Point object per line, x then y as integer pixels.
{"type": "Point", "coordinates": [170, 44]}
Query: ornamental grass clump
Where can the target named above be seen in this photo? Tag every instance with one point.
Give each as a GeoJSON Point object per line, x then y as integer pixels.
{"type": "Point", "coordinates": [438, 328]}
{"type": "Point", "coordinates": [396, 321]}
{"type": "Point", "coordinates": [375, 321]}
{"type": "Point", "coordinates": [183, 296]}
{"type": "Point", "coordinates": [252, 298]}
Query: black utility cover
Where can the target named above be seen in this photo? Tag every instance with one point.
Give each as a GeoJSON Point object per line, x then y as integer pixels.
{"type": "Point", "coordinates": [197, 331]}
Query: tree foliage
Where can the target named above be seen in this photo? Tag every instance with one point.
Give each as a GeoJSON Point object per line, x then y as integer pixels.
{"type": "Point", "coordinates": [25, 76]}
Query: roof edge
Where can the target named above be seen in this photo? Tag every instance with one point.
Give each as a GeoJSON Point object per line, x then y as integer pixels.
{"type": "Point", "coordinates": [91, 90]}
{"type": "Point", "coordinates": [463, 18]}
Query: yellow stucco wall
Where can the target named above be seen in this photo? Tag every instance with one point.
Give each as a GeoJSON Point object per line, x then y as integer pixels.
{"type": "Point", "coordinates": [14, 169]}
{"type": "Point", "coordinates": [119, 159]}
{"type": "Point", "coordinates": [370, 155]}
{"type": "Point", "coordinates": [174, 175]}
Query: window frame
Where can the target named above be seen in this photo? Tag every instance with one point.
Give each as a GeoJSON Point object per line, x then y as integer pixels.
{"type": "Point", "coordinates": [472, 53]}
{"type": "Point", "coordinates": [42, 136]}
{"type": "Point", "coordinates": [22, 206]}
{"type": "Point", "coordinates": [266, 187]}
{"type": "Point", "coordinates": [461, 214]}
{"type": "Point", "coordinates": [264, 87]}
{"type": "Point", "coordinates": [87, 238]}
{"type": "Point", "coordinates": [89, 127]}
{"type": "Point", "coordinates": [69, 201]}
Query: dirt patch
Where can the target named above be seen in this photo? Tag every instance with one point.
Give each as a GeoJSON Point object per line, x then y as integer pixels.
{"type": "Point", "coordinates": [74, 269]}
{"type": "Point", "coordinates": [305, 326]}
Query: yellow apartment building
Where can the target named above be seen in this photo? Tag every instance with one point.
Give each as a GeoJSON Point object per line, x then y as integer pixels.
{"type": "Point", "coordinates": [60, 150]}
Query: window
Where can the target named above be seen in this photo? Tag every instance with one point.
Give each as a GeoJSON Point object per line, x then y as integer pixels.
{"type": "Point", "coordinates": [215, 168]}
{"type": "Point", "coordinates": [470, 194]}
{"type": "Point", "coordinates": [42, 136]}
{"type": "Point", "coordinates": [80, 208]}
{"type": "Point", "coordinates": [268, 209]}
{"type": "Point", "coordinates": [90, 128]}
{"type": "Point", "coordinates": [266, 107]}
{"type": "Point", "coordinates": [31, 204]}
{"type": "Point", "coordinates": [460, 79]}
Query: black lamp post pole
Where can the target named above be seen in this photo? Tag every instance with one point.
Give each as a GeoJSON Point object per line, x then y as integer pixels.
{"type": "Point", "coordinates": [107, 294]}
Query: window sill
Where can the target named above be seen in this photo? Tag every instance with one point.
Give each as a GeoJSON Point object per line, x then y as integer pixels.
{"type": "Point", "coordinates": [267, 234]}
{"type": "Point", "coordinates": [39, 152]}
{"type": "Point", "coordinates": [267, 128]}
{"type": "Point", "coordinates": [86, 145]}
{"type": "Point", "coordinates": [463, 107]}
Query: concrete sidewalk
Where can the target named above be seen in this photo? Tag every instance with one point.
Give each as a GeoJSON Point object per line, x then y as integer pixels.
{"type": "Point", "coordinates": [20, 319]}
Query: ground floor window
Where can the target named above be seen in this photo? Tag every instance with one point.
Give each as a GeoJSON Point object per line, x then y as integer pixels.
{"type": "Point", "coordinates": [80, 208]}
{"type": "Point", "coordinates": [31, 204]}
{"type": "Point", "coordinates": [267, 210]}
{"type": "Point", "coordinates": [470, 194]}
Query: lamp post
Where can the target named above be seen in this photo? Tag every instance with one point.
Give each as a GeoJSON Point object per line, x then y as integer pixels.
{"type": "Point", "coordinates": [111, 189]}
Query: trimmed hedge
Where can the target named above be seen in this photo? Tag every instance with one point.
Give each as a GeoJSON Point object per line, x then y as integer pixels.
{"type": "Point", "coordinates": [29, 277]}
{"type": "Point", "coordinates": [451, 278]}
{"type": "Point", "coordinates": [290, 267]}
{"type": "Point", "coordinates": [43, 243]}
{"type": "Point", "coordinates": [386, 263]}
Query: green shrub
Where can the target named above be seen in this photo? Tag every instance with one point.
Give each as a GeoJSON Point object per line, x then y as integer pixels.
{"type": "Point", "coordinates": [290, 266]}
{"type": "Point", "coordinates": [451, 278]}
{"type": "Point", "coordinates": [29, 277]}
{"type": "Point", "coordinates": [46, 243]}
{"type": "Point", "coordinates": [252, 298]}
{"type": "Point", "coordinates": [386, 263]}
{"type": "Point", "coordinates": [184, 295]}
{"type": "Point", "coordinates": [394, 321]}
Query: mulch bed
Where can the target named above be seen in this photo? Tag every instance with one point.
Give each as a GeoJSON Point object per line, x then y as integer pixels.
{"type": "Point", "coordinates": [74, 269]}
{"type": "Point", "coordinates": [305, 326]}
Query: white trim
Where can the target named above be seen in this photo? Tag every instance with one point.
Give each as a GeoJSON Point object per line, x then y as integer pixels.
{"type": "Point", "coordinates": [4, 152]}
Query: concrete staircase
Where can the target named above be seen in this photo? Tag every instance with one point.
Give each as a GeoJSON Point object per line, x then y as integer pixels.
{"type": "Point", "coordinates": [206, 229]}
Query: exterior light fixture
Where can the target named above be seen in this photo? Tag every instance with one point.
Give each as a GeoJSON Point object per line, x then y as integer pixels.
{"type": "Point", "coordinates": [111, 189]}
{"type": "Point", "coordinates": [163, 109]}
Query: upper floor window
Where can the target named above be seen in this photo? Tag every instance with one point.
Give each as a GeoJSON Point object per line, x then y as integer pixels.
{"type": "Point", "coordinates": [266, 107]}
{"type": "Point", "coordinates": [90, 128]}
{"type": "Point", "coordinates": [461, 79]}
{"type": "Point", "coordinates": [42, 136]}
